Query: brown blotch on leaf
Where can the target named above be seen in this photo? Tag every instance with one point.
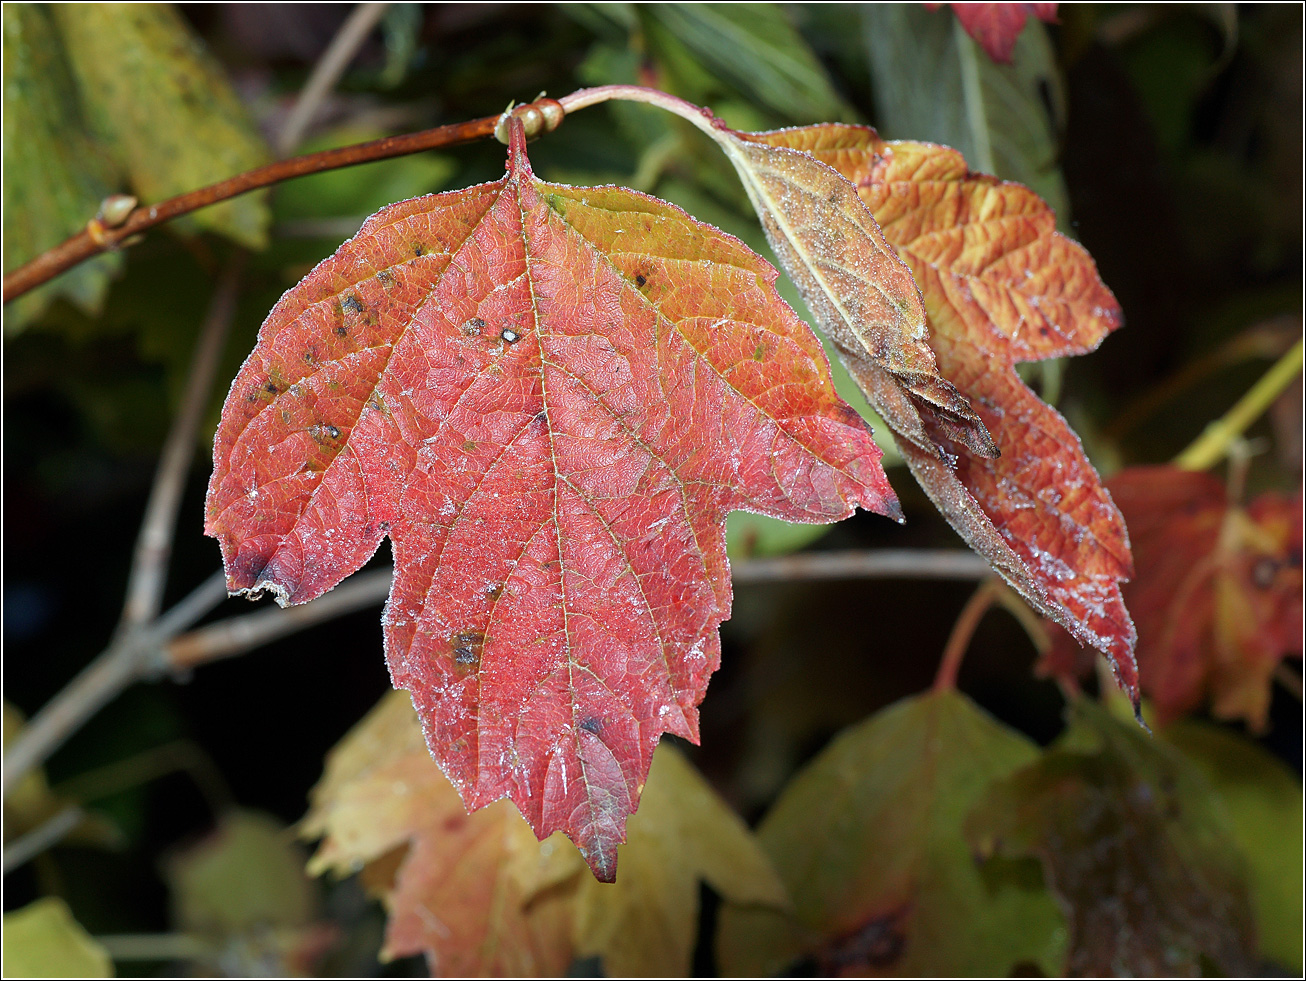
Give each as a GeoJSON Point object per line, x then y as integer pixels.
{"type": "Point", "coordinates": [878, 943]}
{"type": "Point", "coordinates": [385, 278]}
{"type": "Point", "coordinates": [640, 280]}
{"type": "Point", "coordinates": [352, 304]}
{"type": "Point", "coordinates": [419, 249]}
{"type": "Point", "coordinates": [341, 332]}
{"type": "Point", "coordinates": [467, 646]}
{"type": "Point", "coordinates": [591, 724]}
{"type": "Point", "coordinates": [473, 327]}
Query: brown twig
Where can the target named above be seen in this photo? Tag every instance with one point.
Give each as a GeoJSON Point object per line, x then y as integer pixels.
{"type": "Point", "coordinates": [154, 543]}
{"type": "Point", "coordinates": [83, 246]}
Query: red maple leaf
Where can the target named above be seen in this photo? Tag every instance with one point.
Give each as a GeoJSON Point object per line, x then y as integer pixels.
{"type": "Point", "coordinates": [549, 398]}
{"type": "Point", "coordinates": [996, 26]}
{"type": "Point", "coordinates": [1217, 594]}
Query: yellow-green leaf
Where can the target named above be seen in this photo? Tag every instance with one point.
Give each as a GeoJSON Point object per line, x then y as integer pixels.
{"type": "Point", "coordinates": [1263, 800]}
{"type": "Point", "coordinates": [43, 940]}
{"type": "Point", "coordinates": [54, 177]}
{"type": "Point", "coordinates": [869, 842]}
{"type": "Point", "coordinates": [163, 106]}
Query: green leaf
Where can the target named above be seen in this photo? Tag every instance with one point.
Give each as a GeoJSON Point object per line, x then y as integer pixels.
{"type": "Point", "coordinates": [1133, 845]}
{"type": "Point", "coordinates": [645, 923]}
{"type": "Point", "coordinates": [247, 875]}
{"type": "Point", "coordinates": [933, 82]}
{"type": "Point", "coordinates": [162, 104]}
{"type": "Point", "coordinates": [753, 47]}
{"type": "Point", "coordinates": [868, 840]}
{"type": "Point", "coordinates": [43, 940]}
{"type": "Point", "coordinates": [54, 177]}
{"type": "Point", "coordinates": [1263, 800]}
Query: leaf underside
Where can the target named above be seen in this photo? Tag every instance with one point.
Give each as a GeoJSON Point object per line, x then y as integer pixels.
{"type": "Point", "coordinates": [548, 398]}
{"type": "Point", "coordinates": [1000, 286]}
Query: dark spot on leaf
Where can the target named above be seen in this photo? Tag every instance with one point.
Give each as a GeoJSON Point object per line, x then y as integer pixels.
{"type": "Point", "coordinates": [591, 724]}
{"type": "Point", "coordinates": [494, 592]}
{"type": "Point", "coordinates": [352, 304]}
{"type": "Point", "coordinates": [510, 336]}
{"type": "Point", "coordinates": [467, 646]}
{"type": "Point", "coordinates": [541, 416]}
{"type": "Point", "coordinates": [469, 446]}
{"type": "Point", "coordinates": [341, 332]}
{"type": "Point", "coordinates": [1264, 572]}
{"type": "Point", "coordinates": [640, 280]}
{"type": "Point", "coordinates": [332, 431]}
{"type": "Point", "coordinates": [384, 526]}
{"type": "Point", "coordinates": [1043, 330]}
{"type": "Point", "coordinates": [419, 249]}
{"type": "Point", "coordinates": [271, 388]}
{"type": "Point", "coordinates": [877, 943]}
{"type": "Point", "coordinates": [473, 327]}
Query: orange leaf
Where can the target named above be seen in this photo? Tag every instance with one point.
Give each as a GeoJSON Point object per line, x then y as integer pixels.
{"type": "Point", "coordinates": [1217, 595]}
{"type": "Point", "coordinates": [1001, 286]}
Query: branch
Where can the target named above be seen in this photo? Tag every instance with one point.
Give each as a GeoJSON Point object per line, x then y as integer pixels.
{"type": "Point", "coordinates": [84, 245]}
{"type": "Point", "coordinates": [43, 836]}
{"type": "Point", "coordinates": [887, 563]}
{"type": "Point", "coordinates": [154, 543]}
{"type": "Point", "coordinates": [118, 666]}
{"type": "Point", "coordinates": [326, 73]}
{"type": "Point", "coordinates": [962, 632]}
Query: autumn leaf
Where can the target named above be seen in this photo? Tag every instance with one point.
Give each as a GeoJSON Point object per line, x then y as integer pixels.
{"type": "Point", "coordinates": [1000, 286]}
{"type": "Point", "coordinates": [1135, 848]}
{"type": "Point", "coordinates": [997, 25]}
{"type": "Point", "coordinates": [478, 895]}
{"type": "Point", "coordinates": [548, 398]}
{"type": "Point", "coordinates": [868, 839]}
{"type": "Point", "coordinates": [1217, 594]}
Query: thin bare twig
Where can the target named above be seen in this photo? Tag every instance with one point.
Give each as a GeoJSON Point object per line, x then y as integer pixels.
{"type": "Point", "coordinates": [326, 73]}
{"type": "Point", "coordinates": [122, 663]}
{"type": "Point", "coordinates": [155, 946]}
{"type": "Point", "coordinates": [154, 543]}
{"type": "Point", "coordinates": [236, 635]}
{"type": "Point", "coordinates": [885, 563]}
{"type": "Point", "coordinates": [43, 836]}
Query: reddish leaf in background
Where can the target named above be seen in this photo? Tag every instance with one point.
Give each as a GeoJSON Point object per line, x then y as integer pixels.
{"type": "Point", "coordinates": [1217, 594]}
{"type": "Point", "coordinates": [549, 398]}
{"type": "Point", "coordinates": [996, 26]}
{"type": "Point", "coordinates": [1001, 286]}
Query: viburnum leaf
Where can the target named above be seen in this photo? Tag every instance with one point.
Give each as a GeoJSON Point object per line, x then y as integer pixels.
{"type": "Point", "coordinates": [869, 842]}
{"type": "Point", "coordinates": [1217, 593]}
{"type": "Point", "coordinates": [1135, 847]}
{"type": "Point", "coordinates": [1263, 800]}
{"type": "Point", "coordinates": [1000, 286]}
{"type": "Point", "coordinates": [997, 25]}
{"type": "Point", "coordinates": [478, 895]}
{"type": "Point", "coordinates": [548, 398]}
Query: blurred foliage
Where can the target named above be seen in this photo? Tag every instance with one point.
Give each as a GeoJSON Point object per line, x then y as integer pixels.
{"type": "Point", "coordinates": [44, 941]}
{"type": "Point", "coordinates": [1169, 138]}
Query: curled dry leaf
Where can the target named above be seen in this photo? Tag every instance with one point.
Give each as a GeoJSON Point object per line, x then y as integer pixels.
{"type": "Point", "coordinates": [1217, 594]}
{"type": "Point", "coordinates": [478, 895]}
{"type": "Point", "coordinates": [549, 398]}
{"type": "Point", "coordinates": [1000, 286]}
{"type": "Point", "coordinates": [860, 292]}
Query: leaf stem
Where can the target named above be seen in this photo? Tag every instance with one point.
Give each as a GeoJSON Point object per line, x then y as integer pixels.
{"type": "Point", "coordinates": [962, 632]}
{"type": "Point", "coordinates": [1212, 446]}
